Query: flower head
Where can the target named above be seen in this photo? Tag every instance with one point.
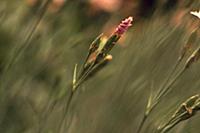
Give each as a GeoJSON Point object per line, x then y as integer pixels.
{"type": "Point", "coordinates": [196, 13]}
{"type": "Point", "coordinates": [123, 26]}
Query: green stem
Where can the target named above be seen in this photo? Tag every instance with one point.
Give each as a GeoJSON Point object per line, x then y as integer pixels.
{"type": "Point", "coordinates": [166, 90]}
{"type": "Point", "coordinates": [172, 123]}
{"type": "Point", "coordinates": [29, 36]}
{"type": "Point", "coordinates": [66, 110]}
{"type": "Point", "coordinates": [150, 109]}
{"type": "Point", "coordinates": [142, 123]}
{"type": "Point", "coordinates": [170, 75]}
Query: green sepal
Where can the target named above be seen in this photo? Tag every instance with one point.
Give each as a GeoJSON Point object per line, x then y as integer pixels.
{"type": "Point", "coordinates": [110, 43]}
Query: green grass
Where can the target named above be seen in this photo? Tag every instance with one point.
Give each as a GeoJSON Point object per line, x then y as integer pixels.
{"type": "Point", "coordinates": [36, 72]}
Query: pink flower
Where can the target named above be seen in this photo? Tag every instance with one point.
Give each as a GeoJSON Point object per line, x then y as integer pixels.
{"type": "Point", "coordinates": [123, 26]}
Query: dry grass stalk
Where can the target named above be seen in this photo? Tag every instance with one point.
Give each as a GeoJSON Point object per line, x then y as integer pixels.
{"type": "Point", "coordinates": [153, 101]}
{"type": "Point", "coordinates": [165, 89]}
{"type": "Point", "coordinates": [185, 111]}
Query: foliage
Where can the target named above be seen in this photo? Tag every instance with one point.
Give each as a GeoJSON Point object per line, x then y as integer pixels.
{"type": "Point", "coordinates": [39, 48]}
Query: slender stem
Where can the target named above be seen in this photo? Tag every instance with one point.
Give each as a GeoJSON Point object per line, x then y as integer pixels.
{"type": "Point", "coordinates": [142, 123]}
{"type": "Point", "coordinates": [157, 100]}
{"type": "Point", "coordinates": [80, 81]}
{"type": "Point", "coordinates": [24, 45]}
{"type": "Point", "coordinates": [66, 109]}
{"type": "Point", "coordinates": [84, 76]}
{"type": "Point", "coordinates": [170, 75]}
{"type": "Point", "coordinates": [172, 123]}
{"type": "Point", "coordinates": [52, 106]}
{"type": "Point", "coordinates": [27, 40]}
{"type": "Point", "coordinates": [49, 108]}
{"type": "Point", "coordinates": [165, 91]}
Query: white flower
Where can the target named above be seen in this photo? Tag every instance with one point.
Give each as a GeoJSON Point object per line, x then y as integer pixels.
{"type": "Point", "coordinates": [196, 13]}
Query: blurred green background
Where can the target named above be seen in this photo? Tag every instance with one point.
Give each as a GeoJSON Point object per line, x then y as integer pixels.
{"type": "Point", "coordinates": [40, 46]}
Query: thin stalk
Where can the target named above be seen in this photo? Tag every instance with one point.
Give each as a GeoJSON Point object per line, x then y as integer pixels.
{"type": "Point", "coordinates": [91, 69]}
{"type": "Point", "coordinates": [73, 90]}
{"type": "Point", "coordinates": [25, 44]}
{"type": "Point", "coordinates": [142, 123]}
{"type": "Point", "coordinates": [66, 109]}
{"type": "Point", "coordinates": [29, 36]}
{"type": "Point", "coordinates": [83, 77]}
{"type": "Point", "coordinates": [80, 81]}
{"type": "Point", "coordinates": [157, 100]}
{"type": "Point", "coordinates": [170, 84]}
{"type": "Point", "coordinates": [170, 75]}
{"type": "Point", "coordinates": [167, 127]}
{"type": "Point", "coordinates": [166, 90]}
{"type": "Point", "coordinates": [49, 108]}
